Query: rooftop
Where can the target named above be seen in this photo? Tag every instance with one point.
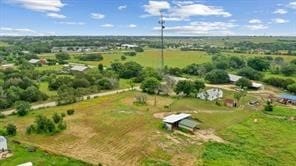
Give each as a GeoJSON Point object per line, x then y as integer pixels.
{"type": "Point", "coordinates": [188, 123]}
{"type": "Point", "coordinates": [288, 96]}
{"type": "Point", "coordinates": [234, 78]}
{"type": "Point", "coordinates": [79, 68]}
{"type": "Point", "coordinates": [34, 60]}
{"type": "Point", "coordinates": [175, 117]}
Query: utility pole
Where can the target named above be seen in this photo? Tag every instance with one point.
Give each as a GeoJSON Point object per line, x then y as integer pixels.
{"type": "Point", "coordinates": [161, 22]}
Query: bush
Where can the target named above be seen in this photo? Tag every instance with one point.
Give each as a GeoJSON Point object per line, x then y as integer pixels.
{"type": "Point", "coordinates": [30, 129]}
{"type": "Point", "coordinates": [62, 125]}
{"type": "Point", "coordinates": [150, 85]}
{"type": "Point", "coordinates": [91, 57]}
{"type": "Point", "coordinates": [11, 130]}
{"type": "Point", "coordinates": [70, 111]}
{"type": "Point", "coordinates": [250, 73]}
{"type": "Point", "coordinates": [57, 118]}
{"type": "Point", "coordinates": [279, 82]}
{"type": "Point", "coordinates": [130, 53]}
{"type": "Point", "coordinates": [2, 116]}
{"type": "Point", "coordinates": [292, 88]}
{"type": "Point", "coordinates": [268, 107]}
{"type": "Point", "coordinates": [63, 114]}
{"type": "Point", "coordinates": [62, 56]}
{"type": "Point", "coordinates": [243, 83]}
{"type": "Point", "coordinates": [22, 108]}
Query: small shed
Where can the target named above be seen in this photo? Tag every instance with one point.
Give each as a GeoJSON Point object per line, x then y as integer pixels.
{"type": "Point", "coordinates": [34, 61]}
{"type": "Point", "coordinates": [79, 68]}
{"type": "Point", "coordinates": [3, 143]}
{"type": "Point", "coordinates": [172, 121]}
{"type": "Point", "coordinates": [229, 103]}
{"type": "Point", "coordinates": [188, 124]}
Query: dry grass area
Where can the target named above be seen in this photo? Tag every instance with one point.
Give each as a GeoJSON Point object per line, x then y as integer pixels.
{"type": "Point", "coordinates": [113, 130]}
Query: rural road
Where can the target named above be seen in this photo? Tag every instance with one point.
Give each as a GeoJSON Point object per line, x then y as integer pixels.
{"type": "Point", "coordinates": [54, 103]}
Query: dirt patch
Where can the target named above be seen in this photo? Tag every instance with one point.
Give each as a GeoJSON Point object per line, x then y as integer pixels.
{"type": "Point", "coordinates": [208, 135]}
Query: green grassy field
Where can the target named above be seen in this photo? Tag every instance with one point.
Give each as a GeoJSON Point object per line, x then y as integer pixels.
{"type": "Point", "coordinates": [39, 158]}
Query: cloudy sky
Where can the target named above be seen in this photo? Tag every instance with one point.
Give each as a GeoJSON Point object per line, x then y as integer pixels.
{"type": "Point", "coordinates": [140, 17]}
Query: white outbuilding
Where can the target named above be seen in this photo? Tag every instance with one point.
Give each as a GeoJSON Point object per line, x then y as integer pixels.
{"type": "Point", "coordinates": [3, 143]}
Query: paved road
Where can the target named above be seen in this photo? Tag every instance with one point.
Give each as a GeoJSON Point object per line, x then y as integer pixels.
{"type": "Point", "coordinates": [54, 103]}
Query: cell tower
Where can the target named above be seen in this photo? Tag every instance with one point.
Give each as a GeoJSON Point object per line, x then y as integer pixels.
{"type": "Point", "coordinates": [161, 22]}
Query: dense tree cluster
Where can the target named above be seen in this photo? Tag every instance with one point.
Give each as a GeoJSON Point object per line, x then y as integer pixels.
{"type": "Point", "coordinates": [91, 57]}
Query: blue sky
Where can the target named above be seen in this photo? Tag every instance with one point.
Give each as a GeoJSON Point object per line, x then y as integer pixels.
{"type": "Point", "coordinates": [140, 17]}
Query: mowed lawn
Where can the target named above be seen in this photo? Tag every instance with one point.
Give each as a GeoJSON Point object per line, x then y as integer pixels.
{"type": "Point", "coordinates": [152, 58]}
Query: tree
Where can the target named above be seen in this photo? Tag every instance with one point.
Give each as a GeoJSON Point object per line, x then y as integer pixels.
{"type": "Point", "coordinates": [66, 95]}
{"type": "Point", "coordinates": [91, 57]}
{"type": "Point", "coordinates": [22, 107]}
{"type": "Point", "coordinates": [81, 83]}
{"type": "Point", "coordinates": [288, 70]}
{"type": "Point", "coordinates": [61, 56]}
{"type": "Point", "coordinates": [239, 95]}
{"type": "Point", "coordinates": [250, 73]}
{"type": "Point", "coordinates": [131, 69]}
{"type": "Point", "coordinates": [244, 83]}
{"type": "Point", "coordinates": [139, 49]}
{"type": "Point", "coordinates": [260, 64]}
{"type": "Point", "coordinates": [150, 85]}
{"type": "Point", "coordinates": [279, 60]}
{"type": "Point", "coordinates": [217, 77]}
{"type": "Point", "coordinates": [236, 62]}
{"type": "Point", "coordinates": [101, 67]}
{"type": "Point", "coordinates": [198, 85]}
{"type": "Point", "coordinates": [185, 86]}
{"type": "Point", "coordinates": [292, 88]}
{"type": "Point", "coordinates": [11, 129]}
{"type": "Point", "coordinates": [105, 84]}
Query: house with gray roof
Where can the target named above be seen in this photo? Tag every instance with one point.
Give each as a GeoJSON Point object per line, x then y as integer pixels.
{"type": "Point", "coordinates": [181, 121]}
{"type": "Point", "coordinates": [78, 68]}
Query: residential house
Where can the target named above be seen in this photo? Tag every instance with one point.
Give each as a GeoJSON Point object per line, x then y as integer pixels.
{"type": "Point", "coordinates": [287, 99]}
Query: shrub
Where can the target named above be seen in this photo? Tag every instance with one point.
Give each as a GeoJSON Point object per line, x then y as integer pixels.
{"type": "Point", "coordinates": [30, 129]}
{"type": "Point", "coordinates": [268, 107]}
{"type": "Point", "coordinates": [91, 57]}
{"type": "Point", "coordinates": [70, 111]}
{"type": "Point", "coordinates": [2, 116]}
{"type": "Point", "coordinates": [22, 108]}
{"type": "Point", "coordinates": [292, 88]}
{"type": "Point", "coordinates": [57, 118]}
{"type": "Point", "coordinates": [150, 85]}
{"type": "Point", "coordinates": [11, 129]}
{"type": "Point", "coordinates": [123, 58]}
{"type": "Point", "coordinates": [62, 125]}
{"type": "Point", "coordinates": [243, 83]}
{"type": "Point", "coordinates": [63, 114]}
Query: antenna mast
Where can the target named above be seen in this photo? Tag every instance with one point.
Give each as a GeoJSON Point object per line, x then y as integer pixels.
{"type": "Point", "coordinates": [161, 22]}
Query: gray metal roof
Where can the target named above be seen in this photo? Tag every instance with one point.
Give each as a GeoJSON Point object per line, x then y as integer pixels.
{"type": "Point", "coordinates": [188, 123]}
{"type": "Point", "coordinates": [175, 117]}
{"type": "Point", "coordinates": [288, 96]}
{"type": "Point", "coordinates": [79, 68]}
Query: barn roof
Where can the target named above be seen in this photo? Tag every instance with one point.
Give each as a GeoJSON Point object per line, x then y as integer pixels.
{"type": "Point", "coordinates": [234, 78]}
{"type": "Point", "coordinates": [175, 117]}
{"type": "Point", "coordinates": [79, 68]}
{"type": "Point", "coordinates": [288, 96]}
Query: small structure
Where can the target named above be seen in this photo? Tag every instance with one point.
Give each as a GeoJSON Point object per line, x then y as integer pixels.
{"type": "Point", "coordinates": [3, 144]}
{"type": "Point", "coordinates": [287, 99]}
{"type": "Point", "coordinates": [128, 46]}
{"type": "Point", "coordinates": [229, 103]}
{"type": "Point", "coordinates": [78, 68]}
{"type": "Point", "coordinates": [210, 94]}
{"type": "Point", "coordinates": [182, 120]}
{"type": "Point", "coordinates": [34, 61]}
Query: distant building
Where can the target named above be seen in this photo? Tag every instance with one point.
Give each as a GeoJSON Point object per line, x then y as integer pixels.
{"type": "Point", "coordinates": [128, 46]}
{"type": "Point", "coordinates": [287, 98]}
{"type": "Point", "coordinates": [182, 121]}
{"type": "Point", "coordinates": [78, 68]}
{"type": "Point", "coordinates": [210, 94]}
{"type": "Point", "coordinates": [34, 61]}
{"type": "Point", "coordinates": [229, 103]}
{"type": "Point", "coordinates": [3, 144]}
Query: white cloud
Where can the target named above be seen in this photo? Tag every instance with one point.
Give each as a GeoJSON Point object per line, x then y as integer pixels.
{"type": "Point", "coordinates": [255, 21]}
{"type": "Point", "coordinates": [155, 7]}
{"type": "Point", "coordinates": [71, 23]}
{"type": "Point", "coordinates": [7, 31]}
{"type": "Point", "coordinates": [280, 11]}
{"type": "Point", "coordinates": [280, 21]}
{"type": "Point", "coordinates": [186, 11]}
{"type": "Point", "coordinates": [39, 5]}
{"type": "Point", "coordinates": [292, 5]}
{"type": "Point", "coordinates": [254, 27]}
{"type": "Point", "coordinates": [132, 26]}
{"type": "Point", "coordinates": [56, 15]}
{"type": "Point", "coordinates": [122, 7]}
{"type": "Point", "coordinates": [107, 25]}
{"type": "Point", "coordinates": [182, 10]}
{"type": "Point", "coordinates": [202, 28]}
{"type": "Point", "coordinates": [97, 16]}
